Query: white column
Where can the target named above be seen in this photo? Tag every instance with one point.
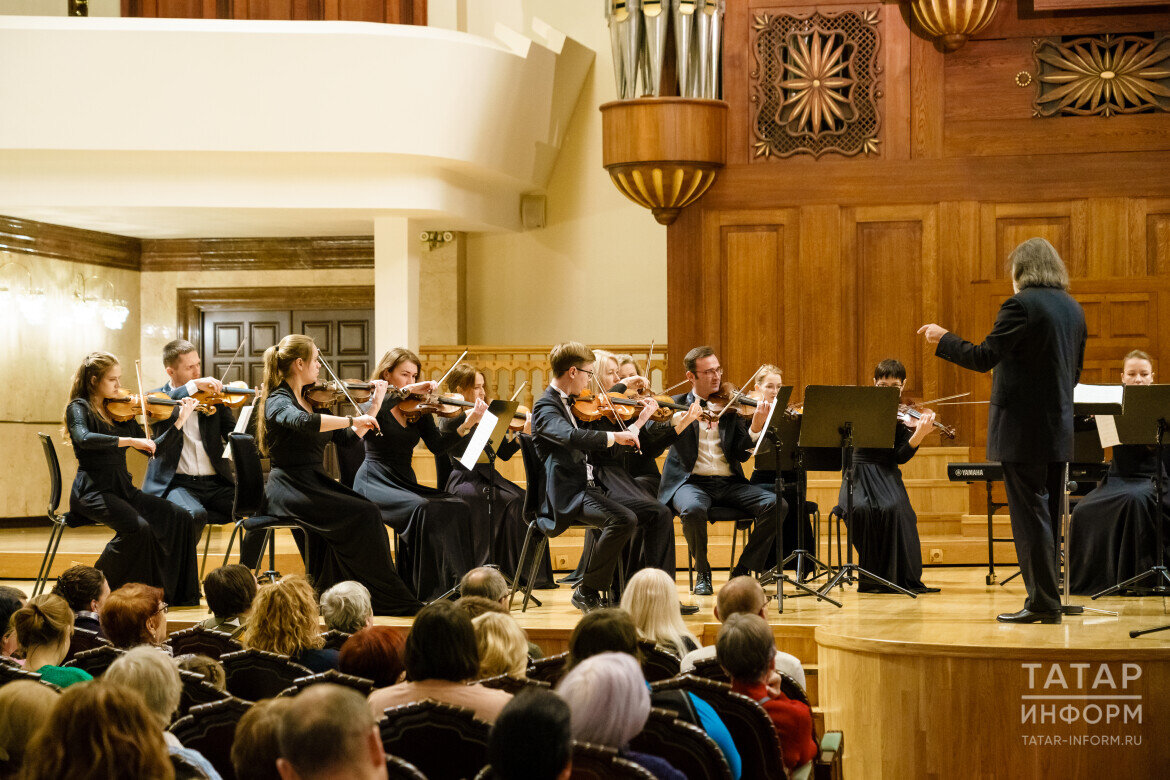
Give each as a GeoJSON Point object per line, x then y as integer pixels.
{"type": "Point", "coordinates": [397, 252]}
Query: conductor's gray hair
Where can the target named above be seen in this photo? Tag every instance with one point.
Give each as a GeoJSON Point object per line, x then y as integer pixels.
{"type": "Point", "coordinates": [1036, 263]}
{"type": "Point", "coordinates": [608, 698]}
{"type": "Point", "coordinates": [346, 607]}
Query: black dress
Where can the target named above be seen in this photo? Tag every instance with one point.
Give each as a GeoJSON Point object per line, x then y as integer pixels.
{"type": "Point", "coordinates": [344, 538]}
{"type": "Point", "coordinates": [497, 540]}
{"type": "Point", "coordinates": [155, 542]}
{"type": "Point", "coordinates": [1112, 533]}
{"type": "Point", "coordinates": [434, 527]}
{"type": "Point", "coordinates": [884, 525]}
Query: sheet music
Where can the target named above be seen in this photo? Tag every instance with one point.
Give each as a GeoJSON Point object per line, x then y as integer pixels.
{"type": "Point", "coordinates": [1107, 430]}
{"type": "Point", "coordinates": [241, 426]}
{"type": "Point", "coordinates": [767, 422]}
{"type": "Point", "coordinates": [1098, 394]}
{"type": "Point", "coordinates": [483, 433]}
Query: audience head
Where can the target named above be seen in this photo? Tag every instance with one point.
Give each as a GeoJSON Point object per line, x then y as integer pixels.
{"type": "Point", "coordinates": [134, 614]}
{"type": "Point", "coordinates": [98, 730]}
{"type": "Point", "coordinates": [651, 599]}
{"type": "Point", "coordinates": [328, 731]}
{"type": "Point", "coordinates": [44, 625]}
{"type": "Point", "coordinates": [256, 745]}
{"type": "Point", "coordinates": [740, 594]}
{"type": "Point", "coordinates": [502, 645]}
{"type": "Point", "coordinates": [229, 590]}
{"type": "Point", "coordinates": [346, 607]}
{"type": "Point", "coordinates": [284, 618]}
{"type": "Point", "coordinates": [375, 653]}
{"type": "Point", "coordinates": [11, 599]}
{"type": "Point", "coordinates": [211, 669]}
{"type": "Point", "coordinates": [608, 698]}
{"type": "Point", "coordinates": [153, 674]}
{"type": "Point", "coordinates": [84, 588]}
{"type": "Point", "coordinates": [603, 631]}
{"type": "Point", "coordinates": [745, 648]}
{"type": "Point", "coordinates": [441, 645]}
{"type": "Point", "coordinates": [532, 738]}
{"type": "Point", "coordinates": [484, 581]}
{"type": "Point", "coordinates": [24, 706]}
{"type": "Point", "coordinates": [475, 606]}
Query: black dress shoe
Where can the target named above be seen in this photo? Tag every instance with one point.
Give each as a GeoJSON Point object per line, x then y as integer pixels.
{"type": "Point", "coordinates": [1028, 616]}
{"type": "Point", "coordinates": [688, 609]}
{"type": "Point", "coordinates": [703, 584]}
{"type": "Point", "coordinates": [924, 589]}
{"type": "Point", "coordinates": [739, 571]}
{"type": "Point", "coordinates": [585, 599]}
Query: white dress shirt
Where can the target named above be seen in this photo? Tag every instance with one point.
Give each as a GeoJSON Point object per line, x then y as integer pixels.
{"type": "Point", "coordinates": [711, 461]}
{"type": "Point", "coordinates": [193, 460]}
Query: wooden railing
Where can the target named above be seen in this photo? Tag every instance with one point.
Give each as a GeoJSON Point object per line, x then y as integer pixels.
{"type": "Point", "coordinates": [507, 366]}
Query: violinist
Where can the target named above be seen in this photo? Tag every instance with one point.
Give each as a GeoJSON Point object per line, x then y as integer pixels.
{"type": "Point", "coordinates": [498, 539]}
{"type": "Point", "coordinates": [1112, 536]}
{"type": "Point", "coordinates": [884, 524]}
{"type": "Point", "coordinates": [155, 541]}
{"type": "Point", "coordinates": [571, 493]}
{"type": "Point", "coordinates": [434, 530]}
{"type": "Point", "coordinates": [344, 538]}
{"type": "Point", "coordinates": [704, 469]}
{"type": "Point", "coordinates": [626, 367]}
{"type": "Point", "coordinates": [641, 464]}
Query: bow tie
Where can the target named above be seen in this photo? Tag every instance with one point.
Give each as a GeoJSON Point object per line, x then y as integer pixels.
{"type": "Point", "coordinates": [703, 402]}
{"type": "Point", "coordinates": [572, 399]}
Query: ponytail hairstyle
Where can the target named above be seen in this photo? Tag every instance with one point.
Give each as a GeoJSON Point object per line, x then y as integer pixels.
{"type": "Point", "coordinates": [46, 620]}
{"type": "Point", "coordinates": [85, 379]}
{"type": "Point", "coordinates": [278, 360]}
{"type": "Point", "coordinates": [393, 359]}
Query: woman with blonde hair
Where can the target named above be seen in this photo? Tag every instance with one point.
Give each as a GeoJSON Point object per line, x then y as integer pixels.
{"type": "Point", "coordinates": [44, 626]}
{"type": "Point", "coordinates": [651, 598]}
{"type": "Point", "coordinates": [502, 644]}
{"type": "Point", "coordinates": [24, 706]}
{"type": "Point", "coordinates": [433, 527]}
{"type": "Point", "coordinates": [343, 534]}
{"type": "Point", "coordinates": [284, 621]}
{"type": "Point", "coordinates": [154, 540]}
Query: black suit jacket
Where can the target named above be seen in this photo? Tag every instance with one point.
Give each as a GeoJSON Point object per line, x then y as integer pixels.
{"type": "Point", "coordinates": [1036, 347]}
{"type": "Point", "coordinates": [213, 429]}
{"type": "Point", "coordinates": [563, 447]}
{"type": "Point", "coordinates": [733, 436]}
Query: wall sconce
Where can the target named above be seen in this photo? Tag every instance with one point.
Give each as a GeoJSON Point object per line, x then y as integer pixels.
{"type": "Point", "coordinates": [89, 302]}
{"type": "Point", "coordinates": [433, 238]}
{"type": "Point", "coordinates": [17, 293]}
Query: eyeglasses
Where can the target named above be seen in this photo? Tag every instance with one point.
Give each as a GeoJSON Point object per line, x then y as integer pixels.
{"type": "Point", "coordinates": [164, 607]}
{"type": "Point", "coordinates": [712, 372]}
{"type": "Point", "coordinates": [584, 371]}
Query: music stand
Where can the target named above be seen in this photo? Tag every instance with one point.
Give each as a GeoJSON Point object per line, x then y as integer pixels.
{"type": "Point", "coordinates": [848, 418]}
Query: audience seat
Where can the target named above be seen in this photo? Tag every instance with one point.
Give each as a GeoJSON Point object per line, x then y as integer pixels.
{"type": "Point", "coordinates": [334, 639]}
{"type": "Point", "coordinates": [13, 672]}
{"type": "Point", "coordinates": [513, 685]}
{"type": "Point", "coordinates": [595, 762]}
{"type": "Point", "coordinates": [196, 691]}
{"type": "Point", "coordinates": [442, 740]}
{"type": "Point", "coordinates": [203, 641]}
{"type": "Point", "coordinates": [83, 639]}
{"type": "Point", "coordinates": [253, 675]}
{"type": "Point", "coordinates": [401, 769]}
{"type": "Point", "coordinates": [211, 729]}
{"type": "Point", "coordinates": [686, 747]}
{"type": "Point", "coordinates": [827, 765]}
{"type": "Point", "coordinates": [96, 661]}
{"type": "Point", "coordinates": [359, 684]}
{"type": "Point", "coordinates": [550, 669]}
{"type": "Point", "coordinates": [709, 669]}
{"type": "Point", "coordinates": [657, 664]}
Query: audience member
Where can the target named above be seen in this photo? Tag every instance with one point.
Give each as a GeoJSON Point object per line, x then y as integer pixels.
{"type": "Point", "coordinates": [743, 595]}
{"type": "Point", "coordinates": [84, 589]}
{"type": "Point", "coordinates": [375, 653]}
{"type": "Point", "coordinates": [532, 738]}
{"type": "Point", "coordinates": [475, 606]}
{"type": "Point", "coordinates": [328, 733]}
{"type": "Point", "coordinates": [346, 607]}
{"type": "Point", "coordinates": [747, 652]}
{"type": "Point", "coordinates": [256, 745]}
{"type": "Point", "coordinates": [502, 645]}
{"type": "Point", "coordinates": [229, 591]}
{"type": "Point", "coordinates": [609, 702]}
{"type": "Point", "coordinates": [155, 677]}
{"type": "Point", "coordinates": [284, 621]}
{"type": "Point", "coordinates": [24, 706]}
{"type": "Point", "coordinates": [135, 614]}
{"type": "Point", "coordinates": [485, 581]}
{"type": "Point", "coordinates": [43, 628]}
{"type": "Point", "coordinates": [441, 657]}
{"type": "Point", "coordinates": [11, 599]}
{"type": "Point", "coordinates": [211, 669]}
{"type": "Point", "coordinates": [651, 598]}
{"type": "Point", "coordinates": [98, 730]}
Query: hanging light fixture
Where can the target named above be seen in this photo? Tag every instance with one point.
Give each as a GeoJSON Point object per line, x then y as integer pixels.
{"type": "Point", "coordinates": [952, 22]}
{"type": "Point", "coordinates": [89, 304]}
{"type": "Point", "coordinates": [17, 292]}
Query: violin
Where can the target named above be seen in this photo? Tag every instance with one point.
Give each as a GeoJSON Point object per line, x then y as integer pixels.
{"type": "Point", "coordinates": [667, 406]}
{"type": "Point", "coordinates": [909, 415]}
{"type": "Point", "coordinates": [519, 419]}
{"type": "Point", "coordinates": [126, 405]}
{"type": "Point", "coordinates": [415, 405]}
{"type": "Point", "coordinates": [590, 407]}
{"type": "Point", "coordinates": [719, 400]}
{"type": "Point", "coordinates": [326, 394]}
{"type": "Point", "coordinates": [234, 395]}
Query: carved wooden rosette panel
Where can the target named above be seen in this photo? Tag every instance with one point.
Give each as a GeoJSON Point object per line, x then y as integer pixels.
{"type": "Point", "coordinates": [1102, 75]}
{"type": "Point", "coordinates": [816, 83]}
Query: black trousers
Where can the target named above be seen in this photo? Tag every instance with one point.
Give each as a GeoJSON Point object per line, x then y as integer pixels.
{"type": "Point", "coordinates": [694, 499]}
{"type": "Point", "coordinates": [1034, 495]}
{"type": "Point", "coordinates": [617, 525]}
{"type": "Point", "coordinates": [209, 500]}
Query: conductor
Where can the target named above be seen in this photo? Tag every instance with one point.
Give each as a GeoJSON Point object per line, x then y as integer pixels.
{"type": "Point", "coordinates": [1036, 347]}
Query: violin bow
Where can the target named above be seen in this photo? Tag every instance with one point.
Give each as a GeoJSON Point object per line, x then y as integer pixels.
{"type": "Point", "coordinates": [674, 386]}
{"type": "Point", "coordinates": [443, 378]}
{"type": "Point", "coordinates": [142, 400]}
{"type": "Point", "coordinates": [649, 360]}
{"type": "Point", "coordinates": [222, 379]}
{"type": "Point", "coordinates": [944, 398]}
{"type": "Point", "coordinates": [344, 390]}
{"type": "Point", "coordinates": [518, 389]}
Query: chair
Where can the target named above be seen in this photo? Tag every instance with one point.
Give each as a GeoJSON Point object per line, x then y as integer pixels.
{"type": "Point", "coordinates": [723, 514]}
{"type": "Point", "coordinates": [249, 504]}
{"type": "Point", "coordinates": [203, 641]}
{"type": "Point", "coordinates": [442, 740]}
{"type": "Point", "coordinates": [595, 762]}
{"type": "Point", "coordinates": [359, 684]}
{"type": "Point", "coordinates": [83, 639]}
{"type": "Point", "coordinates": [828, 763]}
{"type": "Point", "coordinates": [196, 691]}
{"type": "Point", "coordinates": [686, 747]}
{"type": "Point", "coordinates": [253, 675]}
{"type": "Point", "coordinates": [58, 521]}
{"type": "Point", "coordinates": [657, 664]}
{"type": "Point", "coordinates": [13, 672]}
{"type": "Point", "coordinates": [550, 669]}
{"type": "Point", "coordinates": [334, 639]}
{"type": "Point", "coordinates": [211, 729]}
{"type": "Point", "coordinates": [401, 769]}
{"type": "Point", "coordinates": [749, 724]}
{"type": "Point", "coordinates": [96, 661]}
{"type": "Point", "coordinates": [709, 669]}
{"type": "Point", "coordinates": [513, 685]}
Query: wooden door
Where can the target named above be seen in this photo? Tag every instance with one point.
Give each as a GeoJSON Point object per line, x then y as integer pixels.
{"type": "Point", "coordinates": [224, 330]}
{"type": "Point", "coordinates": [344, 336]}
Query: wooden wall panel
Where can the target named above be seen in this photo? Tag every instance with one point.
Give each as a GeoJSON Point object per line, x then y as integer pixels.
{"type": "Point", "coordinates": [387, 11]}
{"type": "Point", "coordinates": [752, 261]}
{"type": "Point", "coordinates": [1157, 243]}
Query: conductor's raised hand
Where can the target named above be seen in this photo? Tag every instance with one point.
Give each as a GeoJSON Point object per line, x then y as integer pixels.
{"type": "Point", "coordinates": [932, 332]}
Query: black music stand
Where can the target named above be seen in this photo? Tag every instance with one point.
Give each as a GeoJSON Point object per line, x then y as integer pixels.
{"type": "Point", "coordinates": [848, 418]}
